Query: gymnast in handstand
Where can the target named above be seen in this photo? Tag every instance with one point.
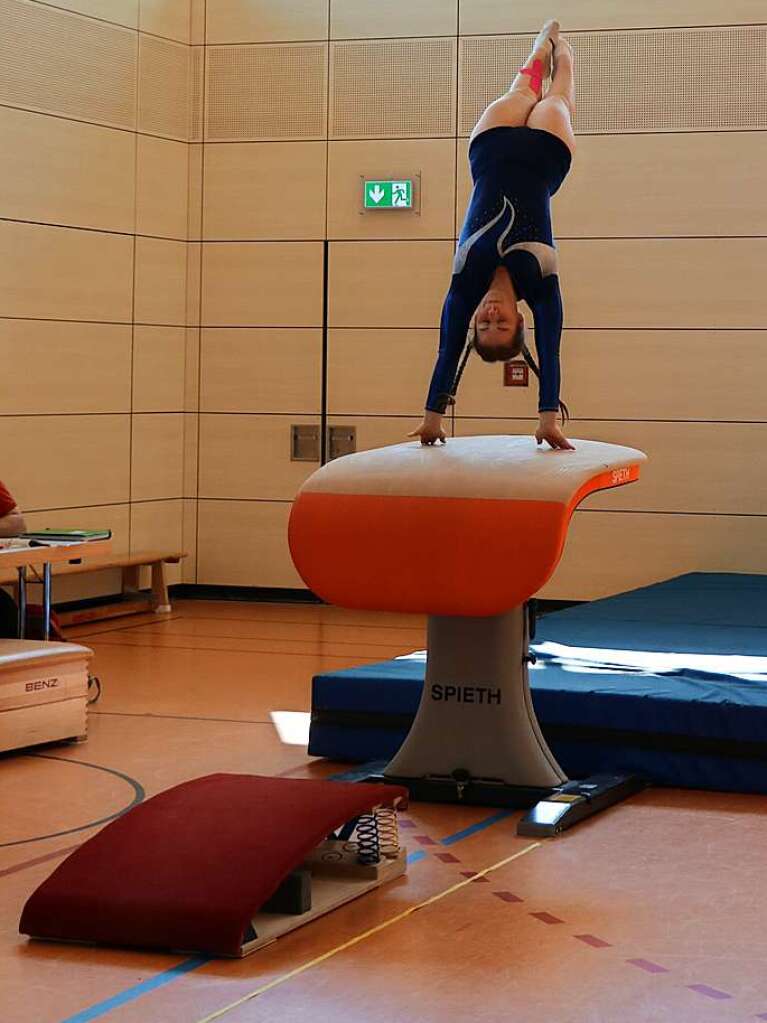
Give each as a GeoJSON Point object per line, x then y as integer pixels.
{"type": "Point", "coordinates": [520, 153]}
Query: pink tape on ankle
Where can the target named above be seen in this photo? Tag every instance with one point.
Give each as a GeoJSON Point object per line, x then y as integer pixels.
{"type": "Point", "coordinates": [536, 75]}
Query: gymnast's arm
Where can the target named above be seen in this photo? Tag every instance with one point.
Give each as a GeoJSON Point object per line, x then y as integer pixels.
{"type": "Point", "coordinates": [547, 315]}
{"type": "Point", "coordinates": [461, 301]}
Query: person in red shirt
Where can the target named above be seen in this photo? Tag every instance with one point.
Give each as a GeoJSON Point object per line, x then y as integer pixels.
{"type": "Point", "coordinates": [11, 520]}
{"type": "Point", "coordinates": [11, 524]}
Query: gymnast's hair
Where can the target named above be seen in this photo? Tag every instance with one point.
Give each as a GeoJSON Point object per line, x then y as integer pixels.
{"type": "Point", "coordinates": [517, 347]}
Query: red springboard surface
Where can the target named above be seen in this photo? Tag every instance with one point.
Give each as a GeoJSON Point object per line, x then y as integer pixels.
{"type": "Point", "coordinates": [189, 868]}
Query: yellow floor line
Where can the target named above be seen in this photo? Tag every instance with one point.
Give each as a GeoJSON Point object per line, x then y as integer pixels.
{"type": "Point", "coordinates": [366, 934]}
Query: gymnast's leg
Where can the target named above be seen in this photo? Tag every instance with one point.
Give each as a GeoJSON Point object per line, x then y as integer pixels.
{"type": "Point", "coordinates": [513, 109]}
{"type": "Point", "coordinates": [554, 113]}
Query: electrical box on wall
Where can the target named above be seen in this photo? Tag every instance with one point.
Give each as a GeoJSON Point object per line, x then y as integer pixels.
{"type": "Point", "coordinates": [342, 440]}
{"type": "Point", "coordinates": [516, 374]}
{"type": "Point", "coordinates": [304, 443]}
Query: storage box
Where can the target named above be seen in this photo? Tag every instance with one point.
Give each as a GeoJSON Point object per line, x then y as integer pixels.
{"type": "Point", "coordinates": [43, 692]}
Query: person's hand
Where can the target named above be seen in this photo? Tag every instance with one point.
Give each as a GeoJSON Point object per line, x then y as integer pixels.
{"type": "Point", "coordinates": [430, 431]}
{"type": "Point", "coordinates": [550, 431]}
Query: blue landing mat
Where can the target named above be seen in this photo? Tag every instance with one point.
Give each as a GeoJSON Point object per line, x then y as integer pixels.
{"type": "Point", "coordinates": [668, 681]}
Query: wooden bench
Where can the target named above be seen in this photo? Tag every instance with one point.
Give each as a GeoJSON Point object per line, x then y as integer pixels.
{"type": "Point", "coordinates": [133, 600]}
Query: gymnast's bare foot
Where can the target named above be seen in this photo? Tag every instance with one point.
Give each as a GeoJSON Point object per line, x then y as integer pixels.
{"type": "Point", "coordinates": [549, 33]}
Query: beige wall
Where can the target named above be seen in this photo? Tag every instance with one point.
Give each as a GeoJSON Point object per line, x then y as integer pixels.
{"type": "Point", "coordinates": [94, 201]}
{"type": "Point", "coordinates": [163, 252]}
{"type": "Point", "coordinates": [662, 229]}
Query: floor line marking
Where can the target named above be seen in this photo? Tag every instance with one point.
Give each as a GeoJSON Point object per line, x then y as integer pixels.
{"type": "Point", "coordinates": [472, 829]}
{"type": "Point", "coordinates": [132, 993]}
{"type": "Point", "coordinates": [362, 937]}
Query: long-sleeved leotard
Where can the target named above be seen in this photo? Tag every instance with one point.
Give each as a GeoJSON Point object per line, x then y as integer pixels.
{"type": "Point", "coordinates": [508, 223]}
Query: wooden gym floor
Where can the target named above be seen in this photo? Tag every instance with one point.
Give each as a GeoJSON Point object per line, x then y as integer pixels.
{"type": "Point", "coordinates": [652, 912]}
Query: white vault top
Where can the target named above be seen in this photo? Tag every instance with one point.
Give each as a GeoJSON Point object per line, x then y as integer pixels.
{"type": "Point", "coordinates": [506, 468]}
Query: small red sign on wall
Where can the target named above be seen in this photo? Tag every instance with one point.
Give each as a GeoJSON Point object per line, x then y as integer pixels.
{"type": "Point", "coordinates": [515, 374]}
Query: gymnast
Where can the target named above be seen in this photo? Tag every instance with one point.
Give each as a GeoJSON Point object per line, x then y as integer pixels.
{"type": "Point", "coordinates": [520, 152]}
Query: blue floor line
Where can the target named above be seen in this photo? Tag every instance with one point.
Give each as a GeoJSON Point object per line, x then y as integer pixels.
{"type": "Point", "coordinates": [414, 857]}
{"type": "Point", "coordinates": [132, 993]}
{"type": "Point", "coordinates": [176, 972]}
{"type": "Point", "coordinates": [474, 828]}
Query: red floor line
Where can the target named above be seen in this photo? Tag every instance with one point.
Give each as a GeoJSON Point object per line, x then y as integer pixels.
{"type": "Point", "coordinates": [647, 966]}
{"type": "Point", "coordinates": [709, 992]}
{"type": "Point", "coordinates": [547, 918]}
{"type": "Point", "coordinates": [508, 897]}
{"type": "Point", "coordinates": [592, 940]}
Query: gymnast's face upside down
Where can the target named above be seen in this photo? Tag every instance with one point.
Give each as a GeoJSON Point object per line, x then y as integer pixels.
{"type": "Point", "coordinates": [499, 329]}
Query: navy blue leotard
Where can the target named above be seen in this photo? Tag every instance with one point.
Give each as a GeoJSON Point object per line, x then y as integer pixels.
{"type": "Point", "coordinates": [508, 223]}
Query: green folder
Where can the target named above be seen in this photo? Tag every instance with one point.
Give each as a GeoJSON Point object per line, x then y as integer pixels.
{"type": "Point", "coordinates": [72, 535]}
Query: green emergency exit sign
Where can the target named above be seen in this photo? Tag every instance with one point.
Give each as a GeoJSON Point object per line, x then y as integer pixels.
{"type": "Point", "coordinates": [388, 195]}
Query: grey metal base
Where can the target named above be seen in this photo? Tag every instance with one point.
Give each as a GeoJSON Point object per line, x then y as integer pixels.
{"type": "Point", "coordinates": [475, 738]}
{"type": "Point", "coordinates": [476, 715]}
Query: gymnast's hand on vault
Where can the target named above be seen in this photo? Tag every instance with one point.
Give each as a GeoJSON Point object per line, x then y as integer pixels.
{"type": "Point", "coordinates": [430, 431]}
{"type": "Point", "coordinates": [549, 431]}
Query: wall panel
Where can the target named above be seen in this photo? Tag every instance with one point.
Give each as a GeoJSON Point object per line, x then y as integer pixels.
{"type": "Point", "coordinates": [275, 284]}
{"type": "Point", "coordinates": [86, 459]}
{"type": "Point", "coordinates": [166, 18]}
{"type": "Point", "coordinates": [189, 541]}
{"type": "Point", "coordinates": [121, 12]}
{"type": "Point", "coordinates": [388, 284]}
{"type": "Point", "coordinates": [246, 457]}
{"type": "Point", "coordinates": [263, 21]}
{"type": "Point", "coordinates": [88, 275]}
{"type": "Point", "coordinates": [64, 172]}
{"type": "Point", "coordinates": [707, 183]}
{"type": "Point", "coordinates": [251, 370]}
{"type": "Point", "coordinates": [161, 279]}
{"type": "Point", "coordinates": [270, 190]}
{"type": "Point", "coordinates": [162, 187]}
{"type": "Point", "coordinates": [51, 351]}
{"type": "Point", "coordinates": [164, 93]}
{"type": "Point", "coordinates": [429, 162]}
{"type": "Point", "coordinates": [609, 552]}
{"type": "Point", "coordinates": [696, 468]}
{"type": "Point", "coordinates": [158, 525]}
{"type": "Point", "coordinates": [665, 374]}
{"type": "Point", "coordinates": [191, 454]}
{"type": "Point", "coordinates": [192, 370]}
{"type": "Point", "coordinates": [656, 185]}
{"type": "Point", "coordinates": [260, 93]}
{"type": "Point", "coordinates": [391, 88]}
{"type": "Point", "coordinates": [377, 431]}
{"type": "Point", "coordinates": [675, 282]}
{"type": "Point", "coordinates": [380, 372]}
{"type": "Point", "coordinates": [61, 63]}
{"type": "Point", "coordinates": [227, 554]}
{"type": "Point", "coordinates": [350, 19]}
{"type": "Point", "coordinates": [684, 374]}
{"type": "Point", "coordinates": [633, 81]}
{"type": "Point", "coordinates": [490, 16]}
{"type": "Point", "coordinates": [157, 456]}
{"type": "Point", "coordinates": [159, 355]}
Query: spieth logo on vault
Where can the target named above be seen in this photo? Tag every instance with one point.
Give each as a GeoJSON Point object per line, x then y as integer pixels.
{"type": "Point", "coordinates": [621, 476]}
{"type": "Point", "coordinates": [41, 683]}
{"type": "Point", "coordinates": [486, 695]}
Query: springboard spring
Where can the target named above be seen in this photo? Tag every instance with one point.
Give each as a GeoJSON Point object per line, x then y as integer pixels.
{"type": "Point", "coordinates": [377, 835]}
